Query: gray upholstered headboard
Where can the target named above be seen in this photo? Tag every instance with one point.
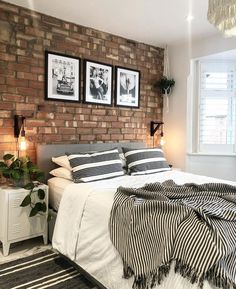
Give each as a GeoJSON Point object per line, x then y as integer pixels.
{"type": "Point", "coordinates": [45, 152]}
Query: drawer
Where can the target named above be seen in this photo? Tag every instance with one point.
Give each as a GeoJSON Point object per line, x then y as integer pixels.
{"type": "Point", "coordinates": [20, 225]}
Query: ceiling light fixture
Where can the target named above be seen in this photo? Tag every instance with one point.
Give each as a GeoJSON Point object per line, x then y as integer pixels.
{"type": "Point", "coordinates": [221, 13]}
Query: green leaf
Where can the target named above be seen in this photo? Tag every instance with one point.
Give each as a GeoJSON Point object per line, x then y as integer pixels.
{"type": "Point", "coordinates": [29, 186]}
{"type": "Point", "coordinates": [3, 165]}
{"type": "Point", "coordinates": [8, 157]}
{"type": "Point", "coordinates": [33, 212]}
{"type": "Point", "coordinates": [16, 175]}
{"type": "Point", "coordinates": [43, 207]}
{"type": "Point", "coordinates": [37, 208]}
{"type": "Point", "coordinates": [26, 202]}
{"type": "Point", "coordinates": [41, 194]}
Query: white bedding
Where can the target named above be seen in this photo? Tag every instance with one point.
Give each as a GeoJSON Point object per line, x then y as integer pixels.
{"type": "Point", "coordinates": [81, 231]}
{"type": "Point", "coordinates": [57, 187]}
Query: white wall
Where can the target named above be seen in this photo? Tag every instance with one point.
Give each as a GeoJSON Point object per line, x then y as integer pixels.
{"type": "Point", "coordinates": [176, 120]}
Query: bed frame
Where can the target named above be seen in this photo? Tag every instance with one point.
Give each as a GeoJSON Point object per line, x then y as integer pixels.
{"type": "Point", "coordinates": [45, 152]}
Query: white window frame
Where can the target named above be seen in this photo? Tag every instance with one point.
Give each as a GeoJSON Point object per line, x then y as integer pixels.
{"type": "Point", "coordinates": [214, 149]}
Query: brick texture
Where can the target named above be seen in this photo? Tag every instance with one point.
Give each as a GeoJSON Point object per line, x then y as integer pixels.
{"type": "Point", "coordinates": [24, 36]}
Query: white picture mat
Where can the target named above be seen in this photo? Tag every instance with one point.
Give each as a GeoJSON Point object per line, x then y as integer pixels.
{"type": "Point", "coordinates": [119, 100]}
{"type": "Point", "coordinates": [89, 97]}
{"type": "Point", "coordinates": [51, 94]}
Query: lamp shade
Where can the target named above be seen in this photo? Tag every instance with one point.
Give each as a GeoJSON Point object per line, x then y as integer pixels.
{"type": "Point", "coordinates": [222, 14]}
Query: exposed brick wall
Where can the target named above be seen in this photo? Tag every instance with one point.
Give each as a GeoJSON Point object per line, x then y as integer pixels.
{"type": "Point", "coordinates": [24, 36]}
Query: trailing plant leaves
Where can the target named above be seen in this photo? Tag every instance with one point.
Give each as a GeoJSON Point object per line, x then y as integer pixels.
{"type": "Point", "coordinates": [41, 194]}
{"type": "Point", "coordinates": [8, 157]}
{"type": "Point", "coordinates": [26, 202]}
{"type": "Point", "coordinates": [37, 208]}
{"type": "Point", "coordinates": [43, 207]}
{"type": "Point", "coordinates": [33, 211]}
{"type": "Point", "coordinates": [29, 186]}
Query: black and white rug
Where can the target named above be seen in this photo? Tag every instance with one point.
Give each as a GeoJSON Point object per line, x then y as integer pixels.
{"type": "Point", "coordinates": [43, 270]}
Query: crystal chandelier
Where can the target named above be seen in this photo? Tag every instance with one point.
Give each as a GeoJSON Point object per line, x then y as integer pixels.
{"type": "Point", "coordinates": [222, 14]}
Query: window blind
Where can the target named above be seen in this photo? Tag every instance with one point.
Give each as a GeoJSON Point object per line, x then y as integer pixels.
{"type": "Point", "coordinates": [217, 104]}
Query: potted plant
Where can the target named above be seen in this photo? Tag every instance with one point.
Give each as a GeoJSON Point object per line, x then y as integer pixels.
{"type": "Point", "coordinates": [21, 172]}
{"type": "Point", "coordinates": [165, 84]}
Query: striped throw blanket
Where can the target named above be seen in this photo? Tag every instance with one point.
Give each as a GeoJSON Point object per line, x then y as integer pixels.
{"type": "Point", "coordinates": [192, 225]}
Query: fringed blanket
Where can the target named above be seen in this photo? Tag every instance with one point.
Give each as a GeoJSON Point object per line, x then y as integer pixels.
{"type": "Point", "coordinates": [192, 225]}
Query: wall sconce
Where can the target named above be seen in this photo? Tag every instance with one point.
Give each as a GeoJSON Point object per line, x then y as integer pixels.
{"type": "Point", "coordinates": [155, 125]}
{"type": "Point", "coordinates": [19, 133]}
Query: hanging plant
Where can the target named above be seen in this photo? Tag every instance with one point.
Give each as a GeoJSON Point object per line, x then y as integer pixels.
{"type": "Point", "coordinates": [165, 84]}
{"type": "Point", "coordinates": [21, 172]}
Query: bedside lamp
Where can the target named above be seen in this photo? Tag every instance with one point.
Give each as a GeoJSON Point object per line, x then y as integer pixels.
{"type": "Point", "coordinates": [19, 133]}
{"type": "Point", "coordinates": [155, 125]}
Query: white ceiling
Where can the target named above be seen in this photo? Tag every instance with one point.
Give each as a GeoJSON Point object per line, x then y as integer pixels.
{"type": "Point", "coordinates": [156, 22]}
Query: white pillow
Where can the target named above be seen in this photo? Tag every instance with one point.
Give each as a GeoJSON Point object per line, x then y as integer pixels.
{"type": "Point", "coordinates": [62, 173]}
{"type": "Point", "coordinates": [62, 161]}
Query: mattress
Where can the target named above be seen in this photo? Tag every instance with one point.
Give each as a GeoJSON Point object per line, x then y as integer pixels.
{"type": "Point", "coordinates": [86, 207]}
{"type": "Point", "coordinates": [56, 187]}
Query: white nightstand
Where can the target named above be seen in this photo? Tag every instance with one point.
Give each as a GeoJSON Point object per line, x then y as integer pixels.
{"type": "Point", "coordinates": [15, 223]}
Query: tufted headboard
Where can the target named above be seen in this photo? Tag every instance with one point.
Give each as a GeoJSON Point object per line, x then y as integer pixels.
{"type": "Point", "coordinates": [45, 152]}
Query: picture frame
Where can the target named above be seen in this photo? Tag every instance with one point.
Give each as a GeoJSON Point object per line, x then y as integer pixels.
{"type": "Point", "coordinates": [98, 83]}
{"type": "Point", "coordinates": [127, 90]}
{"type": "Point", "coordinates": [62, 77]}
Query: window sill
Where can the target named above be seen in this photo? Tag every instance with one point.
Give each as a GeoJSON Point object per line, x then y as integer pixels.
{"type": "Point", "coordinates": [213, 154]}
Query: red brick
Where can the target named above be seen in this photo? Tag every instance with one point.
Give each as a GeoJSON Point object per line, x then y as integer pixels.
{"type": "Point", "coordinates": [87, 137]}
{"type": "Point", "coordinates": [25, 75]}
{"type": "Point", "coordinates": [17, 82]}
{"type": "Point", "coordinates": [52, 138]}
{"type": "Point", "coordinates": [25, 106]}
{"type": "Point", "coordinates": [8, 130]}
{"type": "Point", "coordinates": [12, 97]}
{"type": "Point", "coordinates": [4, 113]}
{"type": "Point", "coordinates": [19, 67]}
{"type": "Point", "coordinates": [27, 91]}
{"type": "Point", "coordinates": [7, 57]}
{"type": "Point", "coordinates": [28, 60]}
{"type": "Point", "coordinates": [67, 130]}
{"type": "Point", "coordinates": [34, 31]}
{"type": "Point", "coordinates": [99, 112]}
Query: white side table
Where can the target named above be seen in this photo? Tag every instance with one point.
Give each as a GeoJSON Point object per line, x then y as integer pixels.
{"type": "Point", "coordinates": [15, 223]}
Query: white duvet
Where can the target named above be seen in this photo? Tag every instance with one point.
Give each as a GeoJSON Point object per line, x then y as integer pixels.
{"type": "Point", "coordinates": [81, 232]}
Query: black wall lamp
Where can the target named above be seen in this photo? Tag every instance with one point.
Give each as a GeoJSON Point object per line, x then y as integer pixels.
{"type": "Point", "coordinates": [154, 127]}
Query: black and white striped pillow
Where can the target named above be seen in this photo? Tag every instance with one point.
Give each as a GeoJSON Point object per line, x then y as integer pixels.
{"type": "Point", "coordinates": [145, 161]}
{"type": "Point", "coordinates": [95, 166]}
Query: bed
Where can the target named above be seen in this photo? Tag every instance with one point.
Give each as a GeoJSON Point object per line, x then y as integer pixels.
{"type": "Point", "coordinates": [87, 206]}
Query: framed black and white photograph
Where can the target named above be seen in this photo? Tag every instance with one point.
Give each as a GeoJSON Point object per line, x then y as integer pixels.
{"type": "Point", "coordinates": [97, 83]}
{"type": "Point", "coordinates": [62, 77]}
{"type": "Point", "coordinates": [127, 87]}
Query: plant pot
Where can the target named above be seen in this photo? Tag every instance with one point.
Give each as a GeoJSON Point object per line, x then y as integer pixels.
{"type": "Point", "coordinates": [20, 183]}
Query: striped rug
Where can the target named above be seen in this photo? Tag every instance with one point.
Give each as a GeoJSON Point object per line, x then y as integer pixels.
{"type": "Point", "coordinates": [44, 270]}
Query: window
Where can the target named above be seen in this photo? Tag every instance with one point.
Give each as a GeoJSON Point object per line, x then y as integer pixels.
{"type": "Point", "coordinates": [216, 99]}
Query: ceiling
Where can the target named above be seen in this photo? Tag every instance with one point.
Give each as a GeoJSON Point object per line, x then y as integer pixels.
{"type": "Point", "coordinates": [156, 22]}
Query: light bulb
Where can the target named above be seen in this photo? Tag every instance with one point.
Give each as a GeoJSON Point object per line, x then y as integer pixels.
{"type": "Point", "coordinates": [23, 144]}
{"type": "Point", "coordinates": [162, 141]}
